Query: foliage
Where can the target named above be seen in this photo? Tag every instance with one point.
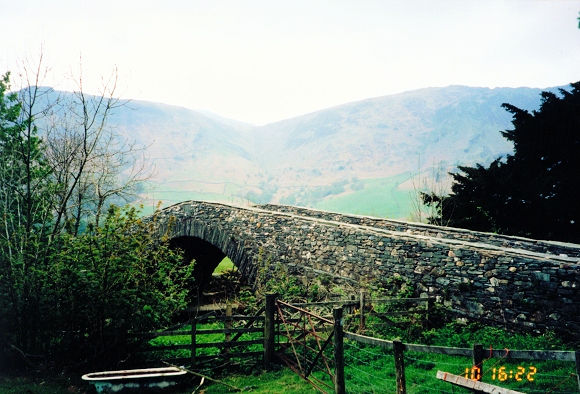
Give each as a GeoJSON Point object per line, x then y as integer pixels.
{"type": "Point", "coordinates": [25, 196]}
{"type": "Point", "coordinates": [394, 319]}
{"type": "Point", "coordinates": [465, 335]}
{"type": "Point", "coordinates": [531, 193]}
{"type": "Point", "coordinates": [275, 278]}
{"type": "Point", "coordinates": [71, 285]}
{"type": "Point", "coordinates": [111, 280]}
{"type": "Point", "coordinates": [395, 286]}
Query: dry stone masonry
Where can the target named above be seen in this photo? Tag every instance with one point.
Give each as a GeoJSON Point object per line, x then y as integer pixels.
{"type": "Point", "coordinates": [518, 282]}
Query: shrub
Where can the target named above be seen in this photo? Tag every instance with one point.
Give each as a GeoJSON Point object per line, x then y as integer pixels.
{"type": "Point", "coordinates": [99, 286]}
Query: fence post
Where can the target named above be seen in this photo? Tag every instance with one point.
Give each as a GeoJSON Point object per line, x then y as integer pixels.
{"type": "Point", "coordinates": [361, 310]}
{"type": "Point", "coordinates": [478, 361]}
{"type": "Point", "coordinates": [193, 340]}
{"type": "Point", "coordinates": [338, 339]}
{"type": "Point", "coordinates": [398, 349]}
{"type": "Point", "coordinates": [428, 313]}
{"type": "Point", "coordinates": [269, 329]}
{"type": "Point", "coordinates": [228, 327]}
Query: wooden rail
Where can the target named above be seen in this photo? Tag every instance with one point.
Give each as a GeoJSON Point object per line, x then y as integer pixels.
{"type": "Point", "coordinates": [475, 352]}
{"type": "Point", "coordinates": [249, 325]}
{"type": "Point", "coordinates": [473, 384]}
{"type": "Point", "coordinates": [560, 355]}
{"type": "Point", "coordinates": [334, 326]}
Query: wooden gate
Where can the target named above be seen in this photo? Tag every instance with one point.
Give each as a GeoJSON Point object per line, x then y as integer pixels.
{"type": "Point", "coordinates": [304, 343]}
{"type": "Point", "coordinates": [212, 337]}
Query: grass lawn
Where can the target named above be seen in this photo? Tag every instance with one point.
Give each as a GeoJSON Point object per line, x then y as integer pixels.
{"type": "Point", "coordinates": [368, 370]}
{"type": "Point", "coordinates": [380, 197]}
{"type": "Point", "coordinates": [25, 384]}
{"type": "Point", "coordinates": [225, 265]}
{"type": "Point", "coordinates": [371, 369]}
{"type": "Point", "coordinates": [281, 381]}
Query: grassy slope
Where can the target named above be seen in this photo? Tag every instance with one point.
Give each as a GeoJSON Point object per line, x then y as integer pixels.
{"type": "Point", "coordinates": [371, 369]}
{"type": "Point", "coordinates": [380, 197]}
{"type": "Point", "coordinates": [282, 381]}
{"type": "Point", "coordinates": [225, 265]}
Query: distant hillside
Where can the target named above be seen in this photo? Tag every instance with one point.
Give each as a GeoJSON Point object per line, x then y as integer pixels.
{"type": "Point", "coordinates": [362, 157]}
{"type": "Point", "coordinates": [358, 157]}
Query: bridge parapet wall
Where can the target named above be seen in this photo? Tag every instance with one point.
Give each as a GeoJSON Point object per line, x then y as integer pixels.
{"type": "Point", "coordinates": [514, 285]}
{"type": "Point", "coordinates": [540, 246]}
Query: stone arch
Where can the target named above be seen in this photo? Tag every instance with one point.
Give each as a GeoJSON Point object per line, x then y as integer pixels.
{"type": "Point", "coordinates": [208, 244]}
{"type": "Point", "coordinates": [347, 248]}
{"type": "Point", "coordinates": [206, 256]}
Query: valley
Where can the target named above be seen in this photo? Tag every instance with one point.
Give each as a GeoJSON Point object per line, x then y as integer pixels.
{"type": "Point", "coordinates": [368, 157]}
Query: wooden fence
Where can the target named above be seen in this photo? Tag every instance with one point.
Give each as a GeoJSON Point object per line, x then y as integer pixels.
{"type": "Point", "coordinates": [272, 325]}
{"type": "Point", "coordinates": [476, 353]}
{"type": "Point", "coordinates": [202, 351]}
{"type": "Point", "coordinates": [361, 309]}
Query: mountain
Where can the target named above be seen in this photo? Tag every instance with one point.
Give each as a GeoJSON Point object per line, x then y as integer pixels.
{"type": "Point", "coordinates": [359, 157]}
{"type": "Point", "coordinates": [365, 157]}
{"type": "Point", "coordinates": [187, 146]}
{"type": "Point", "coordinates": [377, 137]}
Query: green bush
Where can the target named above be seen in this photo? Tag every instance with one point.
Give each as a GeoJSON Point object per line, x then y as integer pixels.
{"type": "Point", "coordinates": [113, 279]}
{"type": "Point", "coordinates": [95, 288]}
{"type": "Point", "coordinates": [465, 335]}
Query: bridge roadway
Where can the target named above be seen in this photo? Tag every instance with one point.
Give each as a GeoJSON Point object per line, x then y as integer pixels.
{"type": "Point", "coordinates": [516, 281]}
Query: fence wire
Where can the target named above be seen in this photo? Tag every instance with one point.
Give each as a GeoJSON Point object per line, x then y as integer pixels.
{"type": "Point", "coordinates": [371, 369]}
{"type": "Point", "coordinates": [305, 345]}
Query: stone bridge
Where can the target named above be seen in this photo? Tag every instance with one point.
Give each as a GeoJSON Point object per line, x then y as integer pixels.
{"type": "Point", "coordinates": [513, 281]}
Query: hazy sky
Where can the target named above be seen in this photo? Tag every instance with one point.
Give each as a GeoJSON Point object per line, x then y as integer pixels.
{"type": "Point", "coordinates": [262, 61]}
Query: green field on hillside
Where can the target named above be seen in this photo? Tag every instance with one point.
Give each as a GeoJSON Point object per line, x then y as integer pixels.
{"type": "Point", "coordinates": [170, 197]}
{"type": "Point", "coordinates": [379, 197]}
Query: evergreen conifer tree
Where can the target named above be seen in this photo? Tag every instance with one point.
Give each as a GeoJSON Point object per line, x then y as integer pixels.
{"type": "Point", "coordinates": [534, 191]}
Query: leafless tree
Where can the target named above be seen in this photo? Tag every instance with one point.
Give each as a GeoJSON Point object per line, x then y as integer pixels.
{"type": "Point", "coordinates": [434, 181]}
{"type": "Point", "coordinates": [34, 104]}
{"type": "Point", "coordinates": [90, 162]}
{"type": "Point", "coordinates": [25, 209]}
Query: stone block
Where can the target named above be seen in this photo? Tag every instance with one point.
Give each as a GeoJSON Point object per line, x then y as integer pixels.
{"type": "Point", "coordinates": [541, 276]}
{"type": "Point", "coordinates": [474, 308]}
{"type": "Point", "coordinates": [437, 272]}
{"type": "Point", "coordinates": [498, 272]}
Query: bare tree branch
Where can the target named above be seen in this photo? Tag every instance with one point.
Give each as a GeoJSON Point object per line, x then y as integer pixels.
{"type": "Point", "coordinates": [91, 163]}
